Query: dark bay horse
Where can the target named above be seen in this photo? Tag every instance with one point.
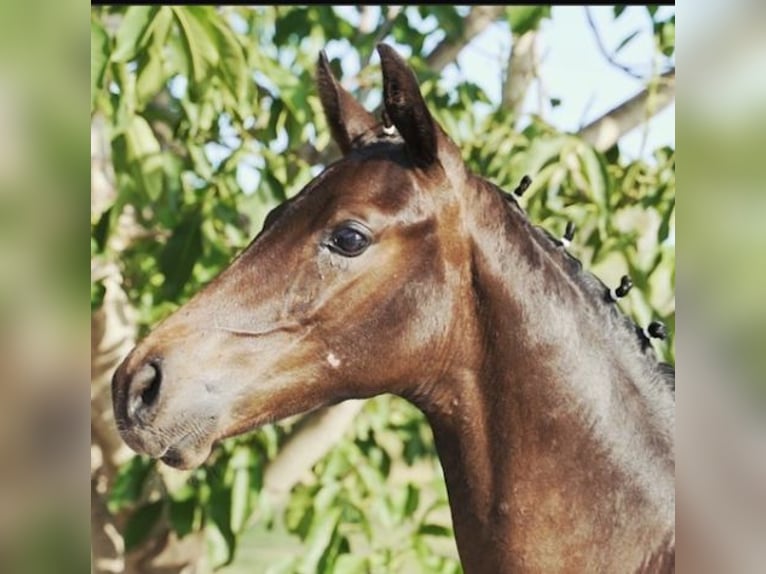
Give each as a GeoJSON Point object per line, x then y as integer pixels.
{"type": "Point", "coordinates": [397, 270]}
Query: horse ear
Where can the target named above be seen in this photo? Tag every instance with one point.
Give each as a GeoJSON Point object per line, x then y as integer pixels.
{"type": "Point", "coordinates": [406, 107]}
{"type": "Point", "coordinates": [346, 117]}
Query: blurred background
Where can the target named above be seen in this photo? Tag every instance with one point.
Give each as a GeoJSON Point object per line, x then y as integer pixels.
{"type": "Point", "coordinates": [202, 119]}
{"type": "Point", "coordinates": [43, 328]}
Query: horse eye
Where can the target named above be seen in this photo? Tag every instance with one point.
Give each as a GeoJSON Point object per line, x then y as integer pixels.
{"type": "Point", "coordinates": [348, 241]}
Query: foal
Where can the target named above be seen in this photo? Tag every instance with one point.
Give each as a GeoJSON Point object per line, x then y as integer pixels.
{"type": "Point", "coordinates": [396, 270]}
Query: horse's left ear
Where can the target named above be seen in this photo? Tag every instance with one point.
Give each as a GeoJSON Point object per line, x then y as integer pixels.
{"type": "Point", "coordinates": [426, 140]}
{"type": "Point", "coordinates": [347, 119]}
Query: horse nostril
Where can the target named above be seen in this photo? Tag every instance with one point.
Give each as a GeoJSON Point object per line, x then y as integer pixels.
{"type": "Point", "coordinates": [144, 389]}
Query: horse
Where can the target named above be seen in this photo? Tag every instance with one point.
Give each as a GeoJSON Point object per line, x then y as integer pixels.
{"type": "Point", "coordinates": [398, 270]}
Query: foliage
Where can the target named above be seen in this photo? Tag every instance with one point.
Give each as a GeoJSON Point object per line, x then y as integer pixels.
{"type": "Point", "coordinates": [213, 120]}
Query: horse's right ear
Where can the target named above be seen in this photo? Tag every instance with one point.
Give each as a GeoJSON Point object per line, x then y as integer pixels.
{"type": "Point", "coordinates": [346, 117]}
{"type": "Point", "coordinates": [427, 143]}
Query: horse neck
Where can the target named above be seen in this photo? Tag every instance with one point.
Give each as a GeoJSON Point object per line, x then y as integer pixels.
{"type": "Point", "coordinates": [549, 427]}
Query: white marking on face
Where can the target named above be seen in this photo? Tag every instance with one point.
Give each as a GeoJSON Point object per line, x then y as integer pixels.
{"type": "Point", "coordinates": [333, 361]}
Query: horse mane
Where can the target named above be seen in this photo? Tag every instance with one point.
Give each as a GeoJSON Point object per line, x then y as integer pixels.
{"type": "Point", "coordinates": [594, 289]}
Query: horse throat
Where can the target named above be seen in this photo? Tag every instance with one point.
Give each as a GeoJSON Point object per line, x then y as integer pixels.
{"type": "Point", "coordinates": [556, 456]}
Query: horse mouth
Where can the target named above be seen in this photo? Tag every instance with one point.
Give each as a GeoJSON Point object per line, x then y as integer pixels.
{"type": "Point", "coordinates": [187, 453]}
{"type": "Point", "coordinates": [181, 446]}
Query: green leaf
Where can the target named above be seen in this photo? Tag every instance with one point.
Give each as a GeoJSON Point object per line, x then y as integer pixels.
{"type": "Point", "coordinates": [542, 151]}
{"type": "Point", "coordinates": [220, 546]}
{"type": "Point", "coordinates": [320, 537]}
{"type": "Point", "coordinates": [182, 515]}
{"type": "Point", "coordinates": [133, 33]}
{"type": "Point", "coordinates": [198, 47]}
{"type": "Point", "coordinates": [180, 254]}
{"type": "Point", "coordinates": [626, 40]}
{"type": "Point", "coordinates": [129, 483]}
{"type": "Point", "coordinates": [273, 70]}
{"type": "Point", "coordinates": [667, 36]}
{"type": "Point", "coordinates": [327, 496]}
{"type": "Point", "coordinates": [525, 18]}
{"type": "Point", "coordinates": [97, 293]}
{"type": "Point", "coordinates": [232, 60]}
{"type": "Point", "coordinates": [150, 77]}
{"type": "Point", "coordinates": [336, 464]}
{"type": "Point", "coordinates": [293, 25]}
{"type": "Point", "coordinates": [434, 530]}
{"type": "Point", "coordinates": [664, 230]}
{"type": "Point", "coordinates": [101, 230]}
{"type": "Point", "coordinates": [240, 488]}
{"type": "Point", "coordinates": [161, 27]}
{"type": "Point", "coordinates": [596, 175]}
{"type": "Point", "coordinates": [351, 564]}
{"type": "Point", "coordinates": [449, 20]}
{"type": "Point", "coordinates": [141, 141]}
{"type": "Point", "coordinates": [612, 155]}
{"type": "Point", "coordinates": [618, 10]}
{"type": "Point", "coordinates": [274, 187]}
{"type": "Point", "coordinates": [140, 524]}
{"type": "Point", "coordinates": [99, 57]}
{"type": "Point", "coordinates": [299, 520]}
{"type": "Point", "coordinates": [404, 502]}
{"type": "Point", "coordinates": [412, 500]}
{"type": "Point", "coordinates": [219, 511]}
{"type": "Point", "coordinates": [144, 157]}
{"type": "Point", "coordinates": [338, 545]}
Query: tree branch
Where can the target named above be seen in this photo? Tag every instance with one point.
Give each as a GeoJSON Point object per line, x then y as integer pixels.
{"type": "Point", "coordinates": [604, 52]}
{"type": "Point", "coordinates": [389, 15]}
{"type": "Point", "coordinates": [316, 435]}
{"type": "Point", "coordinates": [477, 20]}
{"type": "Point", "coordinates": [521, 71]}
{"type": "Point", "coordinates": [604, 132]}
